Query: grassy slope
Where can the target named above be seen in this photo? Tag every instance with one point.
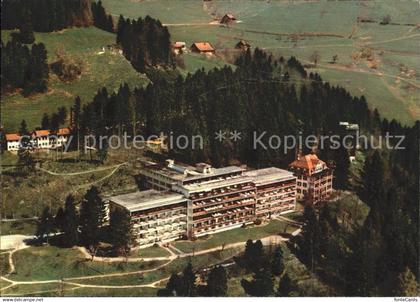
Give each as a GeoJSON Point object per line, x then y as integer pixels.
{"type": "Point", "coordinates": [52, 263]}
{"type": "Point", "coordinates": [108, 69]}
{"type": "Point", "coordinates": [263, 22]}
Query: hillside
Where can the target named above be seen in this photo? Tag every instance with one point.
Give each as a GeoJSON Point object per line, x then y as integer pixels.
{"type": "Point", "coordinates": [101, 68]}
{"type": "Point", "coordinates": [378, 61]}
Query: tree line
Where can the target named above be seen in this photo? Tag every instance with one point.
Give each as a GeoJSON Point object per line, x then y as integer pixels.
{"type": "Point", "coordinates": [262, 94]}
{"type": "Point", "coordinates": [145, 42]}
{"type": "Point", "coordinates": [46, 15]}
{"type": "Point", "coordinates": [87, 226]}
{"type": "Point", "coordinates": [24, 67]}
{"type": "Point", "coordinates": [101, 19]}
{"type": "Point", "coordinates": [265, 265]}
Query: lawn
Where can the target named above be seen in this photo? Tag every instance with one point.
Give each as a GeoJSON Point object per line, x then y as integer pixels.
{"type": "Point", "coordinates": [24, 227]}
{"type": "Point", "coordinates": [53, 263]}
{"type": "Point", "coordinates": [4, 264]}
{"type": "Point", "coordinates": [150, 252]}
{"type": "Point", "coordinates": [109, 69]}
{"type": "Point", "coordinates": [235, 235]}
{"type": "Point", "coordinates": [199, 261]}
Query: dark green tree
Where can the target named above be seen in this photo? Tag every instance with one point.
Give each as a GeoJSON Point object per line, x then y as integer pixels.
{"type": "Point", "coordinates": [120, 229]}
{"type": "Point", "coordinates": [91, 217]}
{"type": "Point", "coordinates": [45, 225]}
{"type": "Point", "coordinates": [286, 286]}
{"type": "Point", "coordinates": [262, 284]}
{"type": "Point", "coordinates": [217, 282]}
{"type": "Point", "coordinates": [71, 223]}
{"type": "Point", "coordinates": [45, 122]}
{"type": "Point", "coordinates": [277, 264]}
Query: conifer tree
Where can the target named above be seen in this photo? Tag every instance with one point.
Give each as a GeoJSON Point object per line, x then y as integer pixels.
{"type": "Point", "coordinates": [45, 225]}
{"type": "Point", "coordinates": [92, 214]}
{"type": "Point", "coordinates": [120, 229]}
{"type": "Point", "coordinates": [286, 286]}
{"type": "Point", "coordinates": [277, 264]}
{"type": "Point", "coordinates": [70, 223]}
{"type": "Point", "coordinates": [217, 282]}
{"type": "Point", "coordinates": [262, 284]}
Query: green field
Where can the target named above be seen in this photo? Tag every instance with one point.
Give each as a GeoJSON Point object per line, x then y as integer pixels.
{"type": "Point", "coordinates": [150, 252]}
{"type": "Point", "coordinates": [300, 28]}
{"type": "Point", "coordinates": [52, 263]}
{"type": "Point", "coordinates": [109, 69]}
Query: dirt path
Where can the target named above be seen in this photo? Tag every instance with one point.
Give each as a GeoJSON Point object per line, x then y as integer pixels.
{"type": "Point", "coordinates": [82, 172]}
{"type": "Point", "coordinates": [270, 240]}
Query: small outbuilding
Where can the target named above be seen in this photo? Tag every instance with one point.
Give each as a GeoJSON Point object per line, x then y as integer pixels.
{"type": "Point", "coordinates": [203, 47]}
{"type": "Point", "coordinates": [227, 19]}
{"type": "Point", "coordinates": [178, 47]}
{"type": "Point", "coordinates": [243, 45]}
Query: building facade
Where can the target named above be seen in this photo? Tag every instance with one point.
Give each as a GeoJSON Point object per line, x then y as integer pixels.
{"type": "Point", "coordinates": [275, 191]}
{"type": "Point", "coordinates": [186, 201]}
{"type": "Point", "coordinates": [155, 216]}
{"type": "Point", "coordinates": [314, 178]}
{"type": "Point", "coordinates": [39, 140]}
{"type": "Point", "coordinates": [13, 142]}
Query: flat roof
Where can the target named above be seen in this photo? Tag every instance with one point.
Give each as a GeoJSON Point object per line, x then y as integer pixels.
{"type": "Point", "coordinates": [144, 200]}
{"type": "Point", "coordinates": [214, 184]}
{"type": "Point", "coordinates": [176, 172]}
{"type": "Point", "coordinates": [269, 175]}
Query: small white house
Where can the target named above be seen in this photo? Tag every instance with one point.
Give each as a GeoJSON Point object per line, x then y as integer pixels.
{"type": "Point", "coordinates": [13, 141]}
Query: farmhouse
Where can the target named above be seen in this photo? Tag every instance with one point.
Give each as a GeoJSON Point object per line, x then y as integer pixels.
{"type": "Point", "coordinates": [314, 178]}
{"type": "Point", "coordinates": [13, 141]}
{"type": "Point", "coordinates": [178, 47]}
{"type": "Point", "coordinates": [227, 19]}
{"type": "Point", "coordinates": [203, 47]}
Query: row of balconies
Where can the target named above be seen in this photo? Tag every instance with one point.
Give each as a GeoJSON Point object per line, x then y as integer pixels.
{"type": "Point", "coordinates": [154, 214]}
{"type": "Point", "coordinates": [143, 221]}
{"type": "Point", "coordinates": [220, 192]}
{"type": "Point", "coordinates": [221, 200]}
{"type": "Point", "coordinates": [242, 203]}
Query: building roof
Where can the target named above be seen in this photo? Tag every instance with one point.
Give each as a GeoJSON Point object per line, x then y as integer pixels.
{"type": "Point", "coordinates": [310, 163]}
{"type": "Point", "coordinates": [64, 131]}
{"type": "Point", "coordinates": [203, 46]}
{"type": "Point", "coordinates": [42, 132]}
{"type": "Point", "coordinates": [230, 16]}
{"type": "Point", "coordinates": [182, 173]}
{"type": "Point", "coordinates": [214, 184]}
{"type": "Point", "coordinates": [12, 137]}
{"type": "Point", "coordinates": [61, 131]}
{"type": "Point", "coordinates": [178, 44]}
{"type": "Point", "coordinates": [144, 200]}
{"type": "Point", "coordinates": [269, 175]}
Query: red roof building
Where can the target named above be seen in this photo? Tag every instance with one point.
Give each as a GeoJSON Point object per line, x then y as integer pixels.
{"type": "Point", "coordinates": [202, 47]}
{"type": "Point", "coordinates": [314, 178]}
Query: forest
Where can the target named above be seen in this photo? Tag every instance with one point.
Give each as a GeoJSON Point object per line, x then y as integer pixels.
{"type": "Point", "coordinates": [46, 15]}
{"type": "Point", "coordinates": [145, 42]}
{"type": "Point", "coordinates": [24, 67]}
